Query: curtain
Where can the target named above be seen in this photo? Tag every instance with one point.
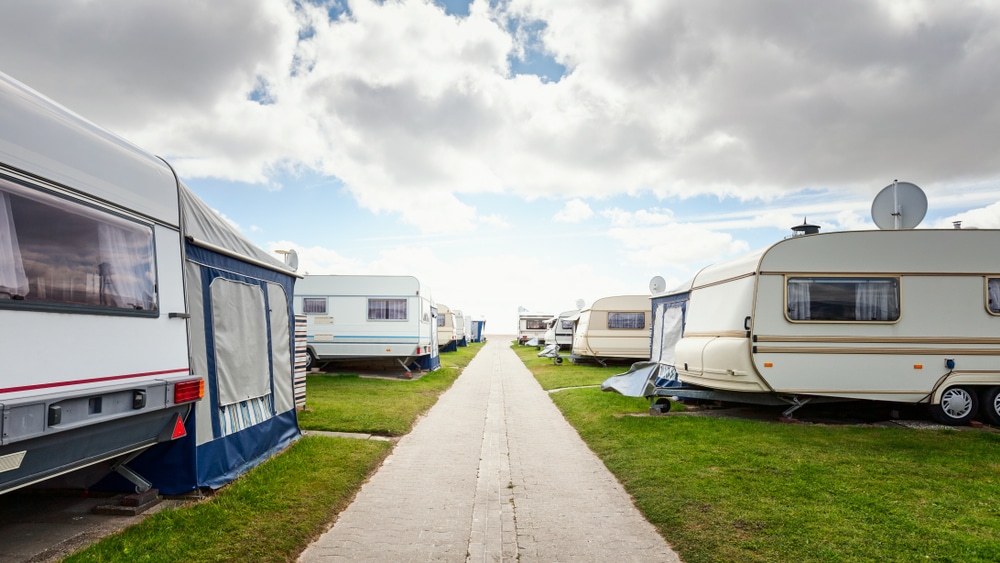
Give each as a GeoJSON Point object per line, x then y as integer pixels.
{"type": "Point", "coordinates": [122, 268]}
{"type": "Point", "coordinates": [875, 301]}
{"type": "Point", "coordinates": [994, 294]}
{"type": "Point", "coordinates": [387, 309]}
{"type": "Point", "coordinates": [12, 279]}
{"type": "Point", "coordinates": [670, 334]}
{"type": "Point", "coordinates": [798, 301]}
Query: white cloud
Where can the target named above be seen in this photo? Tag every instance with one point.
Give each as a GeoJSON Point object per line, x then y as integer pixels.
{"type": "Point", "coordinates": [677, 246]}
{"type": "Point", "coordinates": [575, 211]}
{"type": "Point", "coordinates": [406, 105]}
{"type": "Point", "coordinates": [982, 218]}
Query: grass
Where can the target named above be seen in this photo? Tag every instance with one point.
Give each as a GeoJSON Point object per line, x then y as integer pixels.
{"type": "Point", "coordinates": [386, 407]}
{"type": "Point", "coordinates": [722, 490]}
{"type": "Point", "coordinates": [567, 374]}
{"type": "Point", "coordinates": [269, 514]}
{"type": "Point", "coordinates": [274, 511]}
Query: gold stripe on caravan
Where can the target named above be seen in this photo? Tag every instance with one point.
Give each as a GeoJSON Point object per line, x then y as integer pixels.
{"type": "Point", "coordinates": [949, 340]}
{"type": "Point", "coordinates": [901, 351]}
{"type": "Point", "coordinates": [724, 334]}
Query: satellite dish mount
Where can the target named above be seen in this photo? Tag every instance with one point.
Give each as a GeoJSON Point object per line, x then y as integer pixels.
{"type": "Point", "coordinates": [900, 205]}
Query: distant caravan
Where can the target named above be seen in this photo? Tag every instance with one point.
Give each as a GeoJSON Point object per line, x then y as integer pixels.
{"type": "Point", "coordinates": [907, 316]}
{"type": "Point", "coordinates": [613, 328]}
{"type": "Point", "coordinates": [531, 328]}
{"type": "Point", "coordinates": [369, 321]}
{"type": "Point", "coordinates": [447, 332]}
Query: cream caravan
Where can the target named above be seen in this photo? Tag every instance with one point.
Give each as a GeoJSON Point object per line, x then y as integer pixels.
{"type": "Point", "coordinates": [370, 321]}
{"type": "Point", "coordinates": [909, 316]}
{"type": "Point", "coordinates": [615, 327]}
{"type": "Point", "coordinates": [446, 332]}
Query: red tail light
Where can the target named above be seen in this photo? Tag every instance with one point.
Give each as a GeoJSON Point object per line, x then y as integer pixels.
{"type": "Point", "coordinates": [187, 391]}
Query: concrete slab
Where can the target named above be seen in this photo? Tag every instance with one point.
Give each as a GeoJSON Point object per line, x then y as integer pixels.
{"type": "Point", "coordinates": [492, 473]}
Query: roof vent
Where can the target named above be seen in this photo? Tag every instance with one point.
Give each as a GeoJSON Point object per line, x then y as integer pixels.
{"type": "Point", "coordinates": [805, 228]}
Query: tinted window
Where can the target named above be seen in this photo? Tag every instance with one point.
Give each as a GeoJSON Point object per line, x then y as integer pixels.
{"type": "Point", "coordinates": [387, 309]}
{"type": "Point", "coordinates": [842, 299]}
{"type": "Point", "coordinates": [627, 320]}
{"type": "Point", "coordinates": [58, 252]}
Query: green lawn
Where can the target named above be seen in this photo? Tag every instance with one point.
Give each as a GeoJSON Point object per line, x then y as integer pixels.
{"type": "Point", "coordinates": [567, 374]}
{"type": "Point", "coordinates": [273, 512]}
{"type": "Point", "coordinates": [728, 490]}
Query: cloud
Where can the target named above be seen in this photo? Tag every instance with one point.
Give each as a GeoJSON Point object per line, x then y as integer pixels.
{"type": "Point", "coordinates": [575, 211]}
{"type": "Point", "coordinates": [653, 239]}
{"type": "Point", "coordinates": [982, 218]}
{"type": "Point", "coordinates": [406, 105]}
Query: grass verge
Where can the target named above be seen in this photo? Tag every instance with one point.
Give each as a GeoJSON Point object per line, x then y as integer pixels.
{"type": "Point", "coordinates": [386, 407]}
{"type": "Point", "coordinates": [274, 511]}
{"type": "Point", "coordinates": [567, 374]}
{"type": "Point", "coordinates": [722, 490]}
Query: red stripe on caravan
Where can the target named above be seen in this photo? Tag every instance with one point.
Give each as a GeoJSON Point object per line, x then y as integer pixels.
{"type": "Point", "coordinates": [92, 380]}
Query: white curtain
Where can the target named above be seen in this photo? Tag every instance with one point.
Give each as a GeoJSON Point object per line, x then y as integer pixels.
{"type": "Point", "coordinates": [798, 301]}
{"type": "Point", "coordinates": [12, 279]}
{"type": "Point", "coordinates": [875, 301]}
{"type": "Point", "coordinates": [994, 294]}
{"type": "Point", "coordinates": [657, 347]}
{"type": "Point", "coordinates": [121, 268]}
{"type": "Point", "coordinates": [670, 335]}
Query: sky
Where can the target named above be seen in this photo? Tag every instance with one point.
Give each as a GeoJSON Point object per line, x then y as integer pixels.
{"type": "Point", "coordinates": [532, 153]}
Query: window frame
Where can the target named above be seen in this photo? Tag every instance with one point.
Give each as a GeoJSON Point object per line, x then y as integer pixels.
{"type": "Point", "coordinates": [844, 278]}
{"type": "Point", "coordinates": [986, 292]}
{"type": "Point", "coordinates": [627, 315]}
{"type": "Point", "coordinates": [406, 309]}
{"type": "Point", "coordinates": [305, 310]}
{"type": "Point", "coordinates": [90, 209]}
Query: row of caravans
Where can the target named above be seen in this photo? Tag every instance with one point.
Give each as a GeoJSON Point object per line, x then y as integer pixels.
{"type": "Point", "coordinates": [613, 328]}
{"type": "Point", "coordinates": [137, 329]}
{"type": "Point", "coordinates": [379, 322]}
{"type": "Point", "coordinates": [906, 316]}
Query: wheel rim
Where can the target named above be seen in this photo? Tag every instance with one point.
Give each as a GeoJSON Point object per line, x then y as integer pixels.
{"type": "Point", "coordinates": [996, 404]}
{"type": "Point", "coordinates": [957, 403]}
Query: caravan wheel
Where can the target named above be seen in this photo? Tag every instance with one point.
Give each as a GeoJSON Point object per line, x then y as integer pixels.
{"type": "Point", "coordinates": [310, 360]}
{"type": "Point", "coordinates": [958, 406]}
{"type": "Point", "coordinates": [991, 405]}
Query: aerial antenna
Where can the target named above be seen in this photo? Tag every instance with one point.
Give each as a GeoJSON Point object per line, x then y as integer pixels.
{"type": "Point", "coordinates": [900, 205]}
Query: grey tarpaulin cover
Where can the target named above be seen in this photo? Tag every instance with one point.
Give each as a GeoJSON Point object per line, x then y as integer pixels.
{"type": "Point", "coordinates": [641, 379]}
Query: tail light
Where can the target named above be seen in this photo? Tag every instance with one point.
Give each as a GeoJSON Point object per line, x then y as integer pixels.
{"type": "Point", "coordinates": [187, 391]}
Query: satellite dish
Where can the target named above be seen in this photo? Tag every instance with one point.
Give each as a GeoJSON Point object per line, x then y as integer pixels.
{"type": "Point", "coordinates": [657, 284]}
{"type": "Point", "coordinates": [291, 258]}
{"type": "Point", "coordinates": [900, 205]}
{"type": "Point", "coordinates": [580, 303]}
{"type": "Point", "coordinates": [522, 310]}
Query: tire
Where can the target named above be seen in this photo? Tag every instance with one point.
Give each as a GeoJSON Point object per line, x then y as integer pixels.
{"type": "Point", "coordinates": [958, 406]}
{"type": "Point", "coordinates": [559, 361]}
{"type": "Point", "coordinates": [310, 360]}
{"type": "Point", "coordinates": [991, 405]}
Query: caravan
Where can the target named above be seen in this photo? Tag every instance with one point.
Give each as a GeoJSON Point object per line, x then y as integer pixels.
{"type": "Point", "coordinates": [447, 333]}
{"type": "Point", "coordinates": [907, 316]}
{"type": "Point", "coordinates": [374, 321]}
{"type": "Point", "coordinates": [613, 328]}
{"type": "Point", "coordinates": [532, 326]}
{"type": "Point", "coordinates": [95, 320]}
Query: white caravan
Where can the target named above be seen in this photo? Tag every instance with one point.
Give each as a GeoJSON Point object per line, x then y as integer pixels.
{"type": "Point", "coordinates": [446, 332]}
{"type": "Point", "coordinates": [615, 327]}
{"type": "Point", "coordinates": [363, 319]}
{"type": "Point", "coordinates": [532, 325]}
{"type": "Point", "coordinates": [909, 316]}
{"type": "Point", "coordinates": [93, 333]}
{"type": "Point", "coordinates": [561, 329]}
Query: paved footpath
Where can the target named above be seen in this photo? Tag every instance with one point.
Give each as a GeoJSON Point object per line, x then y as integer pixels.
{"type": "Point", "coordinates": [492, 473]}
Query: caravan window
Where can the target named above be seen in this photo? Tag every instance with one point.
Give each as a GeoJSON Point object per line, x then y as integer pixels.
{"type": "Point", "coordinates": [849, 299]}
{"type": "Point", "coordinates": [57, 253]}
{"type": "Point", "coordinates": [993, 295]}
{"type": "Point", "coordinates": [314, 305]}
{"type": "Point", "coordinates": [387, 309]}
{"type": "Point", "coordinates": [534, 324]}
{"type": "Point", "coordinates": [627, 320]}
{"type": "Point", "coordinates": [440, 320]}
{"type": "Point", "coordinates": [567, 325]}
